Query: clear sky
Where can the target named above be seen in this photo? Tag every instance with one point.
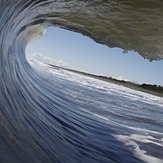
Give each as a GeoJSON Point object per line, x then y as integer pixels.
{"type": "Point", "coordinates": [86, 55]}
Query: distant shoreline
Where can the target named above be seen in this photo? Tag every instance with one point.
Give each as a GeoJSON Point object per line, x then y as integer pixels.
{"type": "Point", "coordinates": [147, 88]}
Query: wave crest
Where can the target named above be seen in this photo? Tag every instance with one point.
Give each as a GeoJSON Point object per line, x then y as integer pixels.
{"type": "Point", "coordinates": [41, 118]}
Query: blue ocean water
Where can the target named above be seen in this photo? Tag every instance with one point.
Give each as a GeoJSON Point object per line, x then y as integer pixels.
{"type": "Point", "coordinates": [50, 115]}
{"type": "Point", "coordinates": [107, 122]}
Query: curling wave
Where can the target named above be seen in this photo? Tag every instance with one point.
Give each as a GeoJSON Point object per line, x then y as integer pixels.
{"type": "Point", "coordinates": [49, 117]}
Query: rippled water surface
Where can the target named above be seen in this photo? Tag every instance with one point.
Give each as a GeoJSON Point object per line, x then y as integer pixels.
{"type": "Point", "coordinates": [49, 115]}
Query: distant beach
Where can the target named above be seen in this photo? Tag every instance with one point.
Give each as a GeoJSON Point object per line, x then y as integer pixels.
{"type": "Point", "coordinates": [147, 88]}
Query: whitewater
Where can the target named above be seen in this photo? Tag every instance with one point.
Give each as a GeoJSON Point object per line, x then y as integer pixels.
{"type": "Point", "coordinates": [51, 115]}
{"type": "Point", "coordinates": [133, 118]}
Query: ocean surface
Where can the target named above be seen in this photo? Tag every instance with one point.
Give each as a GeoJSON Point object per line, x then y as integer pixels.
{"type": "Point", "coordinates": [50, 115]}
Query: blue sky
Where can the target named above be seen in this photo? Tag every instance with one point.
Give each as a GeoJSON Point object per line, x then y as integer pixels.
{"type": "Point", "coordinates": [86, 55]}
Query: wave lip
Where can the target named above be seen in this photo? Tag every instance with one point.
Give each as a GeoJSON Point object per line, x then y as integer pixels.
{"type": "Point", "coordinates": [129, 25]}
{"type": "Point", "coordinates": [39, 120]}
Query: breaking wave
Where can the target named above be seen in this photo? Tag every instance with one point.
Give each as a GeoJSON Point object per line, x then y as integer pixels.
{"type": "Point", "coordinates": [49, 115]}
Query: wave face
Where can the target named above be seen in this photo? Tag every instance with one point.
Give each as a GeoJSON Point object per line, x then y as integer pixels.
{"type": "Point", "coordinates": [51, 116]}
